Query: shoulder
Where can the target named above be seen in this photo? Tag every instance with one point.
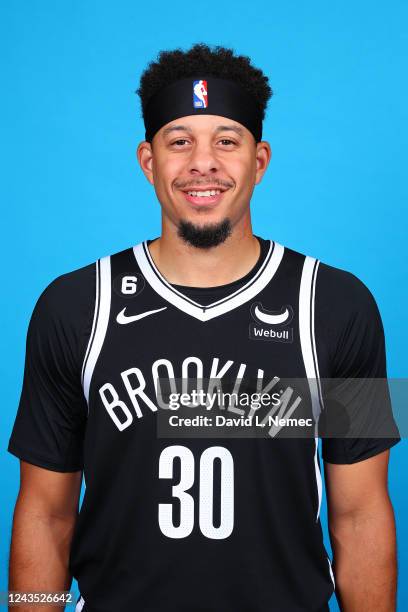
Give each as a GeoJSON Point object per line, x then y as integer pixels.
{"type": "Point", "coordinates": [347, 321]}
{"type": "Point", "coordinates": [76, 290]}
{"type": "Point", "coordinates": [334, 287]}
{"type": "Point", "coordinates": [348, 327]}
{"type": "Point", "coordinates": [62, 317]}
{"type": "Point", "coordinates": [342, 294]}
{"type": "Point", "coordinates": [71, 296]}
{"type": "Point", "coordinates": [68, 293]}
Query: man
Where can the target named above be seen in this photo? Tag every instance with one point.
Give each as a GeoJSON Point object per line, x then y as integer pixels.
{"type": "Point", "coordinates": [178, 521]}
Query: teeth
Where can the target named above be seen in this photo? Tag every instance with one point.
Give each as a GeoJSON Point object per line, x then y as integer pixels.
{"type": "Point", "coordinates": [204, 194]}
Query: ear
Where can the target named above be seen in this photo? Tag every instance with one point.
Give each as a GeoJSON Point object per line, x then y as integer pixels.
{"type": "Point", "coordinates": [145, 158]}
{"type": "Point", "coordinates": [263, 157]}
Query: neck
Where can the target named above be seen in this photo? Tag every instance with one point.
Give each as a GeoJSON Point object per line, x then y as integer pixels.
{"type": "Point", "coordinates": [183, 264]}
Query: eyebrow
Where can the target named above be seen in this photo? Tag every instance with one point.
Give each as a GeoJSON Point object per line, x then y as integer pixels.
{"type": "Point", "coordinates": [219, 128]}
{"type": "Point", "coordinates": [176, 128]}
{"type": "Point", "coordinates": [232, 128]}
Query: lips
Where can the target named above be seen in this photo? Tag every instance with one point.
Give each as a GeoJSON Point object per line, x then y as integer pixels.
{"type": "Point", "coordinates": [204, 196]}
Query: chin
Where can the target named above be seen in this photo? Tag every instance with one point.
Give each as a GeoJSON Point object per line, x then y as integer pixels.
{"type": "Point", "coordinates": [209, 233]}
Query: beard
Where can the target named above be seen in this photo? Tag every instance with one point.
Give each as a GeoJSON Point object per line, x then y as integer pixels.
{"type": "Point", "coordinates": [204, 236]}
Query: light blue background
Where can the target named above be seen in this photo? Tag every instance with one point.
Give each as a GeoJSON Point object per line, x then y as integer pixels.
{"type": "Point", "coordinates": [72, 192]}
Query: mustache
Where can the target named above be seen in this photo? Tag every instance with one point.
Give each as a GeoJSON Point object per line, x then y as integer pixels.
{"type": "Point", "coordinates": [202, 183]}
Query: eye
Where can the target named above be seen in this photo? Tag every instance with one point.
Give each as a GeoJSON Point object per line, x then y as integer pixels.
{"type": "Point", "coordinates": [227, 142]}
{"type": "Point", "coordinates": [179, 143]}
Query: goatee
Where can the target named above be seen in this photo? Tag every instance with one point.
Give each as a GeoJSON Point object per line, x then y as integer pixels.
{"type": "Point", "coordinates": [204, 236]}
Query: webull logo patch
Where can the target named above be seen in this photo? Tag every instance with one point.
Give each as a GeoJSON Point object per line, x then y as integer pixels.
{"type": "Point", "coordinates": [271, 324]}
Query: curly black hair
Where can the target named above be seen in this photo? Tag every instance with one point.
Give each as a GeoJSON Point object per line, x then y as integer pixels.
{"type": "Point", "coordinates": [216, 61]}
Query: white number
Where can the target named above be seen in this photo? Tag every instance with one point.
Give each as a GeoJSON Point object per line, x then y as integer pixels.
{"type": "Point", "coordinates": [129, 285]}
{"type": "Point", "coordinates": [207, 489]}
{"type": "Point", "coordinates": [179, 491]}
{"type": "Point", "coordinates": [206, 496]}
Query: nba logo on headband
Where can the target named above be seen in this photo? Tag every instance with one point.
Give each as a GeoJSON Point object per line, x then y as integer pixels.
{"type": "Point", "coordinates": [200, 94]}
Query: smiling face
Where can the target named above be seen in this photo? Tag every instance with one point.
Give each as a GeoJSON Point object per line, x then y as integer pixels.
{"type": "Point", "coordinates": [204, 169]}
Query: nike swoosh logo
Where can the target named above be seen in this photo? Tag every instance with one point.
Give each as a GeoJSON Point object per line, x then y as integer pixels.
{"type": "Point", "coordinates": [271, 319]}
{"type": "Point", "coordinates": [123, 319]}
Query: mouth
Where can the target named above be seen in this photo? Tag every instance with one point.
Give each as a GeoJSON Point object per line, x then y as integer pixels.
{"type": "Point", "coordinates": [203, 197]}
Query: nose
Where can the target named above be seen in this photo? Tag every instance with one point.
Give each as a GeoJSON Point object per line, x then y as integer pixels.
{"type": "Point", "coordinates": [203, 160]}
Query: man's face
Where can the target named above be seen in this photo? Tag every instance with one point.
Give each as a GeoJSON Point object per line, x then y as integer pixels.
{"type": "Point", "coordinates": [204, 169]}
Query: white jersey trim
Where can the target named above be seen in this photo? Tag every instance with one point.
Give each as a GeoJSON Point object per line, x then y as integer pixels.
{"type": "Point", "coordinates": [95, 318]}
{"type": "Point", "coordinates": [331, 573]}
{"type": "Point", "coordinates": [307, 331]}
{"type": "Point", "coordinates": [100, 322]}
{"type": "Point", "coordinates": [308, 347]}
{"type": "Point", "coordinates": [80, 604]}
{"type": "Point", "coordinates": [205, 313]}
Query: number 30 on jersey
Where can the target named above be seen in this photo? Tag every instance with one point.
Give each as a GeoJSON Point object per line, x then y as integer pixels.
{"type": "Point", "coordinates": [206, 492]}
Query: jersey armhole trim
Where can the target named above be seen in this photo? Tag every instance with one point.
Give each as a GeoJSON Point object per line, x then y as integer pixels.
{"type": "Point", "coordinates": [100, 322]}
{"type": "Point", "coordinates": [307, 331]}
{"type": "Point", "coordinates": [95, 318]}
{"type": "Point", "coordinates": [308, 347]}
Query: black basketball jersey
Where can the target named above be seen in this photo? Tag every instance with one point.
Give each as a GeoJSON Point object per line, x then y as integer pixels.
{"type": "Point", "coordinates": [184, 518]}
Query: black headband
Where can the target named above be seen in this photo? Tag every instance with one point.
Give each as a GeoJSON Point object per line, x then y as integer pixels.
{"type": "Point", "coordinates": [205, 95]}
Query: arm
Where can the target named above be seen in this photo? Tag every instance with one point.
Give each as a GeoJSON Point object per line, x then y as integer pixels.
{"type": "Point", "coordinates": [48, 434]}
{"type": "Point", "coordinates": [362, 534]}
{"type": "Point", "coordinates": [43, 524]}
